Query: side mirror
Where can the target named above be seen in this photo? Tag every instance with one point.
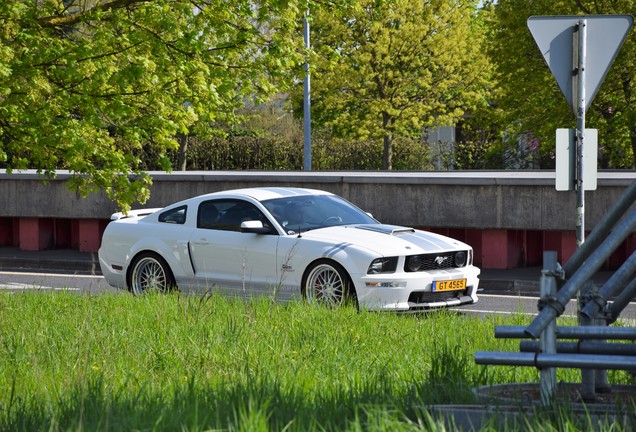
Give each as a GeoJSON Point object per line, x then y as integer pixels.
{"type": "Point", "coordinates": [255, 227]}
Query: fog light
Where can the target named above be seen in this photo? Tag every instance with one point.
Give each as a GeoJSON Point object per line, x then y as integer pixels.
{"type": "Point", "coordinates": [413, 263]}
{"type": "Point", "coordinates": [460, 259]}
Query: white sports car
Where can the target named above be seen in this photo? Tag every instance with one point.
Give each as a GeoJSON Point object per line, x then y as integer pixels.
{"type": "Point", "coordinates": [286, 242]}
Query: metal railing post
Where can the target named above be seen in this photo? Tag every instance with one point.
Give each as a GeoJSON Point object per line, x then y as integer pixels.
{"type": "Point", "coordinates": [601, 383]}
{"type": "Point", "coordinates": [588, 376]}
{"type": "Point", "coordinates": [548, 382]}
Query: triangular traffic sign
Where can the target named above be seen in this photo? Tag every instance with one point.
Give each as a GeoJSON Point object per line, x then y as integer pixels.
{"type": "Point", "coordinates": [605, 36]}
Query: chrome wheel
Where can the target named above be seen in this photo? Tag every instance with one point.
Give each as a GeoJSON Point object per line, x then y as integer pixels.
{"type": "Point", "coordinates": [326, 284]}
{"type": "Point", "coordinates": [150, 273]}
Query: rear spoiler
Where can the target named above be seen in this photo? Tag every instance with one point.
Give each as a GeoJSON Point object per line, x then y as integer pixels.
{"type": "Point", "coordinates": [133, 214]}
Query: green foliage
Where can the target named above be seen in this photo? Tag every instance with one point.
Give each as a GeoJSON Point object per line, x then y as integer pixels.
{"type": "Point", "coordinates": [245, 153]}
{"type": "Point", "coordinates": [529, 101]}
{"type": "Point", "coordinates": [84, 82]}
{"type": "Point", "coordinates": [271, 139]}
{"type": "Point", "coordinates": [275, 153]}
{"type": "Point", "coordinates": [384, 70]}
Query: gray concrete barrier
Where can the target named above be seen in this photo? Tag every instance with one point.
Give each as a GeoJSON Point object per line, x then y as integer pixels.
{"type": "Point", "coordinates": [453, 199]}
{"type": "Point", "coordinates": [509, 217]}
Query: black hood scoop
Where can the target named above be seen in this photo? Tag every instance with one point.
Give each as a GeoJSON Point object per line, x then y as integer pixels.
{"type": "Point", "coordinates": [387, 229]}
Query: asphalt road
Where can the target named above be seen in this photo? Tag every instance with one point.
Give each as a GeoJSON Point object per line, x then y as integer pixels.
{"type": "Point", "coordinates": [494, 302]}
{"type": "Point", "coordinates": [35, 281]}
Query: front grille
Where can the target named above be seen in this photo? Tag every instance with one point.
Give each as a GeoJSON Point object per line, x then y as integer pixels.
{"type": "Point", "coordinates": [435, 261]}
{"type": "Point", "coordinates": [430, 297]}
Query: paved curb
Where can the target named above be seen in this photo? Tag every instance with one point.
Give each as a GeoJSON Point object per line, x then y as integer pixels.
{"type": "Point", "coordinates": [64, 261]}
{"type": "Point", "coordinates": [517, 286]}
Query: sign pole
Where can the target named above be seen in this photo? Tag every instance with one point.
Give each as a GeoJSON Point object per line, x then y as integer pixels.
{"type": "Point", "coordinates": [588, 376]}
{"type": "Point", "coordinates": [581, 54]}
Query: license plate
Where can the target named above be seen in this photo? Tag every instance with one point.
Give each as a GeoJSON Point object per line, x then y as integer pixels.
{"type": "Point", "coordinates": [449, 285]}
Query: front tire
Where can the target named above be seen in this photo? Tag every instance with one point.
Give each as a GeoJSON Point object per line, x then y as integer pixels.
{"type": "Point", "coordinates": [150, 272]}
{"type": "Point", "coordinates": [327, 282]}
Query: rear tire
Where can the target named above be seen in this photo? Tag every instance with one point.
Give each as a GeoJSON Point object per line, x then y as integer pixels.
{"type": "Point", "coordinates": [150, 272]}
{"type": "Point", "coordinates": [327, 282]}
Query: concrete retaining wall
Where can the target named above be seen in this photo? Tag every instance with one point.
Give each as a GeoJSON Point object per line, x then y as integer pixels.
{"type": "Point", "coordinates": [508, 216]}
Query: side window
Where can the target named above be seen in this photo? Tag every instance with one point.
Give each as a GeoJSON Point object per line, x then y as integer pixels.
{"type": "Point", "coordinates": [208, 215]}
{"type": "Point", "coordinates": [228, 214]}
{"type": "Point", "coordinates": [174, 216]}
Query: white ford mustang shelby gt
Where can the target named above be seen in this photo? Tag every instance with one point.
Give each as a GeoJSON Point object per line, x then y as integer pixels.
{"type": "Point", "coordinates": [286, 242]}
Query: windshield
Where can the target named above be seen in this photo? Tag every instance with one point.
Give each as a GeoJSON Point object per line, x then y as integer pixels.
{"type": "Point", "coordinates": [307, 212]}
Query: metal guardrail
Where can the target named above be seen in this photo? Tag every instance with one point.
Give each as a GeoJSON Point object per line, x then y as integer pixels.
{"type": "Point", "coordinates": [587, 332]}
{"type": "Point", "coordinates": [583, 347]}
{"type": "Point", "coordinates": [572, 361]}
{"type": "Point", "coordinates": [595, 311]}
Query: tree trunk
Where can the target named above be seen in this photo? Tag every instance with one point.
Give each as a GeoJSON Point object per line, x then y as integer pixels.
{"type": "Point", "coordinates": [387, 157]}
{"type": "Point", "coordinates": [183, 152]}
{"type": "Point", "coordinates": [632, 139]}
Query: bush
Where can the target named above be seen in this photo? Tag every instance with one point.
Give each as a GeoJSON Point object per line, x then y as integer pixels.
{"type": "Point", "coordinates": [277, 153]}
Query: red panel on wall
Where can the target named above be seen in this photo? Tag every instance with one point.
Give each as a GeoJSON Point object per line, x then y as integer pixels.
{"type": "Point", "coordinates": [494, 251]}
{"type": "Point", "coordinates": [89, 235]}
{"type": "Point", "coordinates": [35, 234]}
{"type": "Point", "coordinates": [29, 234]}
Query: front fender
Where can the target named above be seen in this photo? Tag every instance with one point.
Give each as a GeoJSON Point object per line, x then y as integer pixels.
{"type": "Point", "coordinates": [298, 258]}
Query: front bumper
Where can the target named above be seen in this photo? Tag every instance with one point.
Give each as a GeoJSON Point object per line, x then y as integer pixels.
{"type": "Point", "coordinates": [413, 291]}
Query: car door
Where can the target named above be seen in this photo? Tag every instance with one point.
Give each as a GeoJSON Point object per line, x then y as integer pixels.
{"type": "Point", "coordinates": [226, 259]}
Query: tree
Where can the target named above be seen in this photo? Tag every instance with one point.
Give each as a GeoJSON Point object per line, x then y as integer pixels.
{"type": "Point", "coordinates": [530, 101]}
{"type": "Point", "coordinates": [385, 69]}
{"type": "Point", "coordinates": [90, 85]}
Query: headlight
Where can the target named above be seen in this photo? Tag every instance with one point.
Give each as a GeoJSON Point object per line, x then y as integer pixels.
{"type": "Point", "coordinates": [460, 259]}
{"type": "Point", "coordinates": [383, 265]}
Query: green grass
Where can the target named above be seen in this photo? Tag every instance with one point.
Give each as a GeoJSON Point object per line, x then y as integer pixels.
{"type": "Point", "coordinates": [174, 362]}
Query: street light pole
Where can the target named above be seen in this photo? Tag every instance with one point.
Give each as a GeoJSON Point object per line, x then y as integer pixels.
{"type": "Point", "coordinates": [307, 100]}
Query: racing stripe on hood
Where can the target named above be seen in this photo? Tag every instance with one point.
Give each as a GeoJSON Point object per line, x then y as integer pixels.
{"type": "Point", "coordinates": [427, 241]}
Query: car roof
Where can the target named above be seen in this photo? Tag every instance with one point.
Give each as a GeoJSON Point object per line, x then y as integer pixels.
{"type": "Point", "coordinates": [267, 193]}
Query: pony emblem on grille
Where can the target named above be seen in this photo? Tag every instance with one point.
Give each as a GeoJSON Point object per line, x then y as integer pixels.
{"type": "Point", "coordinates": [441, 260]}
